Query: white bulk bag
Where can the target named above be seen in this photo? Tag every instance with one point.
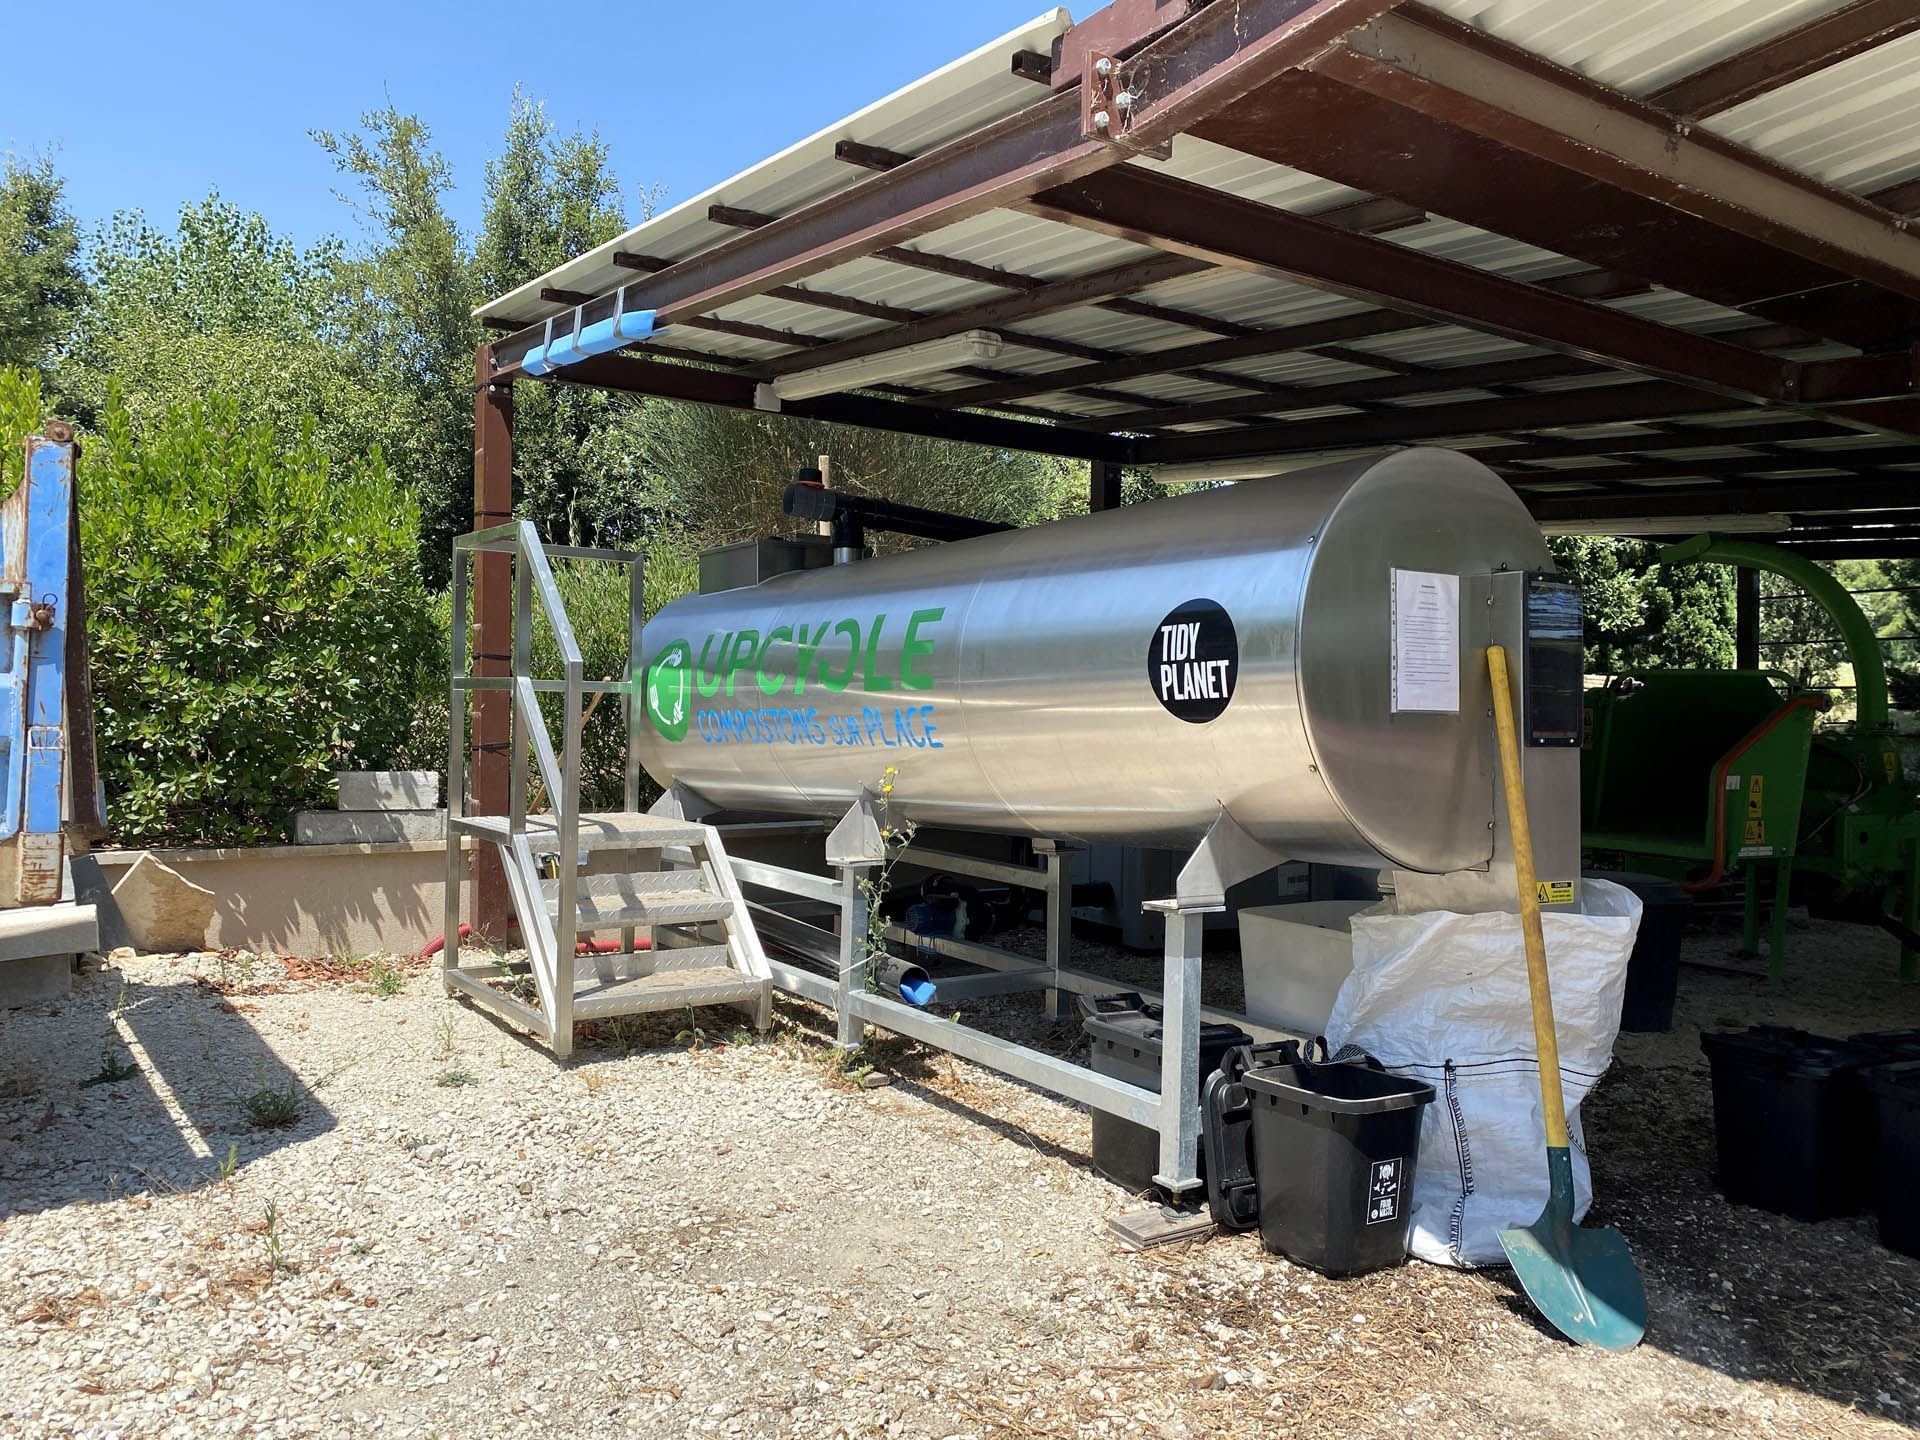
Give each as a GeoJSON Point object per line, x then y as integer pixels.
{"type": "Point", "coordinates": [1442, 998]}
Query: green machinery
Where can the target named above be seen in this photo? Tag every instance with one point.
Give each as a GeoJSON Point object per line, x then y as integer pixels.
{"type": "Point", "coordinates": [1696, 773]}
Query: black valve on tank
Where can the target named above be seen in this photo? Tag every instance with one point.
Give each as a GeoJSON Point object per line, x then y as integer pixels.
{"type": "Point", "coordinates": [851, 516]}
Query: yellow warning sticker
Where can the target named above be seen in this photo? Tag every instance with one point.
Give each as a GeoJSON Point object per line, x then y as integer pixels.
{"type": "Point", "coordinates": [1756, 785]}
{"type": "Point", "coordinates": [1756, 832]}
{"type": "Point", "coordinates": [1555, 892]}
{"type": "Point", "coordinates": [1892, 764]}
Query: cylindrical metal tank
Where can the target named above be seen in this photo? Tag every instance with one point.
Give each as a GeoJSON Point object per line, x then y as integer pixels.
{"type": "Point", "coordinates": [1117, 676]}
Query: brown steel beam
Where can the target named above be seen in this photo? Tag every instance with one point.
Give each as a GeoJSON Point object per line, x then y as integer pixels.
{"type": "Point", "coordinates": [868, 157]}
{"type": "Point", "coordinates": [738, 218]}
{"type": "Point", "coordinates": [1535, 448]}
{"type": "Point", "coordinates": [490, 763]}
{"type": "Point", "coordinates": [799, 295]}
{"type": "Point", "coordinates": [1868, 492]}
{"type": "Point", "coordinates": [1103, 485]}
{"type": "Point", "coordinates": [554, 295]}
{"type": "Point", "coordinates": [996, 314]}
{"type": "Point", "coordinates": [636, 376]}
{"type": "Point", "coordinates": [1852, 462]}
{"type": "Point", "coordinates": [1823, 41]}
{"type": "Point", "coordinates": [1210, 59]}
{"type": "Point", "coordinates": [1032, 65]}
{"type": "Point", "coordinates": [1439, 115]}
{"type": "Point", "coordinates": [1650, 399]}
{"type": "Point", "coordinates": [1208, 224]}
{"type": "Point", "coordinates": [1902, 199]}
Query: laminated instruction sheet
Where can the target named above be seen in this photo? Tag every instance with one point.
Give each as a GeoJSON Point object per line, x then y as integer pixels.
{"type": "Point", "coordinates": [1426, 642]}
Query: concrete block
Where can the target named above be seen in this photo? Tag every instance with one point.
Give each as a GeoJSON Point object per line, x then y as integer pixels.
{"type": "Point", "coordinates": [33, 931]}
{"type": "Point", "coordinates": [163, 911]}
{"type": "Point", "coordinates": [388, 789]}
{"type": "Point", "coordinates": [367, 827]}
{"type": "Point", "coordinates": [35, 980]}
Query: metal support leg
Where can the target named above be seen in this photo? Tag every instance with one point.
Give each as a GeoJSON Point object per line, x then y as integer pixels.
{"type": "Point", "coordinates": [1750, 921]}
{"type": "Point", "coordinates": [1180, 1054]}
{"type": "Point", "coordinates": [852, 1032]}
{"type": "Point", "coordinates": [1059, 929]}
{"type": "Point", "coordinates": [1910, 905]}
{"type": "Point", "coordinates": [1777, 938]}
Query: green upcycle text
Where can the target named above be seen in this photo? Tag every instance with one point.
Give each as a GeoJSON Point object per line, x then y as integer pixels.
{"type": "Point", "coordinates": [818, 657]}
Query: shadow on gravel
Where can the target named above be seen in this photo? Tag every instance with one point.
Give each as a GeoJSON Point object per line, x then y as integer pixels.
{"type": "Point", "coordinates": [84, 1087]}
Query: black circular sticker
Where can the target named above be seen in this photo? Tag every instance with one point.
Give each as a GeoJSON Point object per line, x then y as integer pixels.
{"type": "Point", "coordinates": [1193, 661]}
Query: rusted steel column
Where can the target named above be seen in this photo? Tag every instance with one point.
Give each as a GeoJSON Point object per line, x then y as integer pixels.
{"type": "Point", "coordinates": [1103, 486]}
{"type": "Point", "coordinates": [492, 649]}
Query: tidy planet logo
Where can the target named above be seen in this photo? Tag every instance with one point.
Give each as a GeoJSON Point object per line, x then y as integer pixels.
{"type": "Point", "coordinates": [872, 654]}
{"type": "Point", "coordinates": [1193, 661]}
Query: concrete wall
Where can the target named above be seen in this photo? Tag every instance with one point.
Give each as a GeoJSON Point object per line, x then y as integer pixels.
{"type": "Point", "coordinates": [303, 899]}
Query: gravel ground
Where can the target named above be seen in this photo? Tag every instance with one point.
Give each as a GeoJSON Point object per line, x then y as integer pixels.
{"type": "Point", "coordinates": [683, 1232]}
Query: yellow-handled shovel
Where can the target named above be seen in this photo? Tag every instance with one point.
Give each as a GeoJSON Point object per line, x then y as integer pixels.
{"type": "Point", "coordinates": [1583, 1282]}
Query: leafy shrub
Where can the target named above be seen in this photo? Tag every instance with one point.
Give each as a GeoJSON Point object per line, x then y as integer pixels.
{"type": "Point", "coordinates": [257, 621]}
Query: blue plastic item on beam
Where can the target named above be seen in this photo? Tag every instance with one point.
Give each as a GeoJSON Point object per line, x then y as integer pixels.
{"type": "Point", "coordinates": [568, 341]}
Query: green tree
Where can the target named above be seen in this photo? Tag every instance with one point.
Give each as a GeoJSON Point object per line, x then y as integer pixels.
{"type": "Point", "coordinates": [40, 281]}
{"type": "Point", "coordinates": [718, 474]}
{"type": "Point", "coordinates": [220, 306]}
{"type": "Point", "coordinates": [1641, 614]}
{"type": "Point", "coordinates": [549, 198]}
{"type": "Point", "coordinates": [256, 618]}
{"type": "Point", "coordinates": [410, 294]}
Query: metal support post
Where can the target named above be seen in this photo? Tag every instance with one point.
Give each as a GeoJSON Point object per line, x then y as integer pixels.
{"type": "Point", "coordinates": [854, 960]}
{"type": "Point", "coordinates": [1103, 485]}
{"type": "Point", "coordinates": [1746, 618]}
{"type": "Point", "coordinates": [1180, 1050]}
{"type": "Point", "coordinates": [1777, 939]}
{"type": "Point", "coordinates": [1750, 911]}
{"type": "Point", "coordinates": [493, 604]}
{"type": "Point", "coordinates": [1059, 892]}
{"type": "Point", "coordinates": [1910, 905]}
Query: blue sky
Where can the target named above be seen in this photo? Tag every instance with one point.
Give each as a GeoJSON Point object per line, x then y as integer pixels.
{"type": "Point", "coordinates": [146, 105]}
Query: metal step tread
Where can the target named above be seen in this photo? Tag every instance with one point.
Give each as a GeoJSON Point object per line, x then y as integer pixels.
{"type": "Point", "coordinates": [612, 830]}
{"type": "Point", "coordinates": [665, 897]}
{"type": "Point", "coordinates": [592, 969]}
{"type": "Point", "coordinates": [666, 990]}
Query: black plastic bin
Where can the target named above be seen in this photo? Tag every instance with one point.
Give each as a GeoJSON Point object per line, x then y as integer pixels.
{"type": "Point", "coordinates": [1653, 970]}
{"type": "Point", "coordinates": [1894, 1092]}
{"type": "Point", "coordinates": [1126, 1044]}
{"type": "Point", "coordinates": [1889, 1045]}
{"type": "Point", "coordinates": [1334, 1150]}
{"type": "Point", "coordinates": [1791, 1120]}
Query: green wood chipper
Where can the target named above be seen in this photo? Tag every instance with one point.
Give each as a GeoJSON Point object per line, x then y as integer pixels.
{"type": "Point", "coordinates": [1697, 774]}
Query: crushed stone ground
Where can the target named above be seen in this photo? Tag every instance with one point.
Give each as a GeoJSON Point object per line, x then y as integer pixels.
{"type": "Point", "coordinates": [681, 1233]}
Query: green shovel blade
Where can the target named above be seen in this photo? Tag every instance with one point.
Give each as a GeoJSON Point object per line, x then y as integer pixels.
{"type": "Point", "coordinates": [1583, 1282]}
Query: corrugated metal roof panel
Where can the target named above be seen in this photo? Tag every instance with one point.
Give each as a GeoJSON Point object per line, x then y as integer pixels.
{"type": "Point", "coordinates": [1855, 125]}
{"type": "Point", "coordinates": [972, 91]}
{"type": "Point", "coordinates": [1636, 46]}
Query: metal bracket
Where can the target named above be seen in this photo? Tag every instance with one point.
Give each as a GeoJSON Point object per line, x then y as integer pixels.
{"type": "Point", "coordinates": [1109, 99]}
{"type": "Point", "coordinates": [856, 839]}
{"type": "Point", "coordinates": [681, 803]}
{"type": "Point", "coordinates": [1225, 856]}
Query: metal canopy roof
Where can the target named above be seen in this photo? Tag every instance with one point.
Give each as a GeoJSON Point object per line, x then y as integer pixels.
{"type": "Point", "coordinates": [1646, 258]}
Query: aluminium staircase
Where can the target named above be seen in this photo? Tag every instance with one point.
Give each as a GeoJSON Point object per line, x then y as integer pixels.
{"type": "Point", "coordinates": [661, 892]}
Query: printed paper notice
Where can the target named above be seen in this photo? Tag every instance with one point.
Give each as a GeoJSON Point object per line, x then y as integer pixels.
{"type": "Point", "coordinates": [1426, 642]}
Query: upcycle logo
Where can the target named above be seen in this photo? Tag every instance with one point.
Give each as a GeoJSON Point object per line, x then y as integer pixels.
{"type": "Point", "coordinates": [670, 690]}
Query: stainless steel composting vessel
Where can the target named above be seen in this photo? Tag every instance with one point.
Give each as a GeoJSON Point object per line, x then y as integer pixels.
{"type": "Point", "coordinates": [1117, 676]}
